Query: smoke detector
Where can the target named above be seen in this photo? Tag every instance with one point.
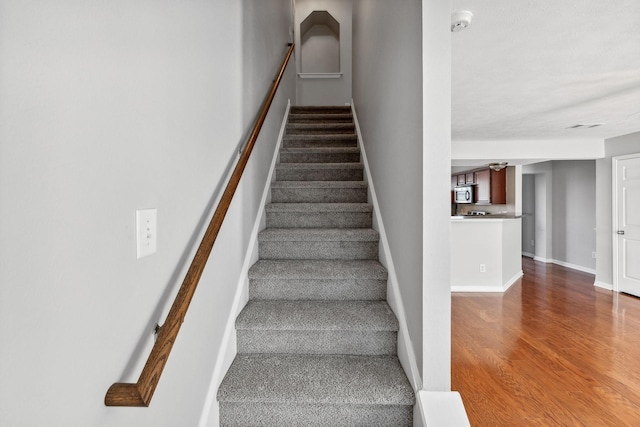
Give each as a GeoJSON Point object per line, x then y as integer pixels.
{"type": "Point", "coordinates": [460, 20]}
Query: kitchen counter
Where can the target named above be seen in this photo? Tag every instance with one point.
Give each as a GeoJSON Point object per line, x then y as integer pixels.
{"type": "Point", "coordinates": [486, 217]}
{"type": "Point", "coordinates": [486, 252]}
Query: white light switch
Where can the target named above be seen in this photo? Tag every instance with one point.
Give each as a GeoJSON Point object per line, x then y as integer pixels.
{"type": "Point", "coordinates": [146, 232]}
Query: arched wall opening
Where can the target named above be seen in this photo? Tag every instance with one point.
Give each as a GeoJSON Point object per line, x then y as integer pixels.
{"type": "Point", "coordinates": [320, 43]}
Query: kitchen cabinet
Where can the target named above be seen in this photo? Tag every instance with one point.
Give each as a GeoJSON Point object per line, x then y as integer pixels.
{"type": "Point", "coordinates": [491, 187]}
{"type": "Point", "coordinates": [470, 178]}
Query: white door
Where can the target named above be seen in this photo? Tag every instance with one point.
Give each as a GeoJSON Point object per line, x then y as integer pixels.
{"type": "Point", "coordinates": [627, 223]}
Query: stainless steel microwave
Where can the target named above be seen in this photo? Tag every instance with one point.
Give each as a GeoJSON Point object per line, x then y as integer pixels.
{"type": "Point", "coordinates": [464, 194]}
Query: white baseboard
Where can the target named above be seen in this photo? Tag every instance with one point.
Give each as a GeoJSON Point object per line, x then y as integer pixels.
{"type": "Point", "coordinates": [603, 285]}
{"type": "Point", "coordinates": [539, 258]}
{"type": "Point", "coordinates": [406, 353]}
{"type": "Point", "coordinates": [528, 254]}
{"type": "Point", "coordinates": [497, 288]}
{"type": "Point", "coordinates": [228, 348]}
{"type": "Point", "coordinates": [441, 408]}
{"type": "Point", "coordinates": [565, 264]}
{"type": "Point", "coordinates": [573, 266]}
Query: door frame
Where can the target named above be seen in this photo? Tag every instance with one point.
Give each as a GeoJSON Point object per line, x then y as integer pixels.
{"type": "Point", "coordinates": [614, 214]}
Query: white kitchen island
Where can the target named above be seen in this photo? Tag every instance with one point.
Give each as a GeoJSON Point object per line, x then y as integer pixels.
{"type": "Point", "coordinates": [486, 253]}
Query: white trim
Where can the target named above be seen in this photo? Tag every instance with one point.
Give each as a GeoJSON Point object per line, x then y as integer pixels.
{"type": "Point", "coordinates": [614, 214]}
{"type": "Point", "coordinates": [320, 75]}
{"type": "Point", "coordinates": [497, 288]}
{"type": "Point", "coordinates": [441, 408]}
{"type": "Point", "coordinates": [406, 353]}
{"type": "Point", "coordinates": [513, 280]}
{"type": "Point", "coordinates": [603, 285]}
{"type": "Point", "coordinates": [228, 349]}
{"type": "Point", "coordinates": [540, 259]}
{"type": "Point", "coordinates": [573, 266]}
{"type": "Point", "coordinates": [528, 254]}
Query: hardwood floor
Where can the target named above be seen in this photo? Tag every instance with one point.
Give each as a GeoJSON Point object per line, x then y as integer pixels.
{"type": "Point", "coordinates": [551, 351]}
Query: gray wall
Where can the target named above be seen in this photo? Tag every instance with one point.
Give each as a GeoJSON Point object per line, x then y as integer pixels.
{"type": "Point", "coordinates": [105, 108]}
{"type": "Point", "coordinates": [564, 212]}
{"type": "Point", "coordinates": [402, 93]}
{"type": "Point", "coordinates": [574, 207]}
{"type": "Point", "coordinates": [390, 115]}
{"type": "Point", "coordinates": [627, 144]}
{"type": "Point", "coordinates": [528, 214]}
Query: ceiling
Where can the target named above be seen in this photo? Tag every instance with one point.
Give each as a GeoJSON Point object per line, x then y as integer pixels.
{"type": "Point", "coordinates": [529, 70]}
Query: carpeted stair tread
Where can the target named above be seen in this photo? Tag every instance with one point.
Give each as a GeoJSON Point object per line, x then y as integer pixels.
{"type": "Point", "coordinates": [293, 141]}
{"type": "Point", "coordinates": [320, 150]}
{"type": "Point", "coordinates": [318, 280]}
{"type": "Point", "coordinates": [320, 128]}
{"type": "Point", "coordinates": [316, 379]}
{"type": "Point", "coordinates": [319, 172]}
{"type": "Point", "coordinates": [320, 155]}
{"type": "Point", "coordinates": [319, 235]}
{"type": "Point", "coordinates": [332, 185]}
{"type": "Point", "coordinates": [319, 207]}
{"type": "Point", "coordinates": [319, 192]}
{"type": "Point", "coordinates": [317, 316]}
{"type": "Point", "coordinates": [318, 243]}
{"type": "Point", "coordinates": [320, 118]}
{"type": "Point", "coordinates": [317, 269]}
{"type": "Point", "coordinates": [320, 109]}
{"type": "Point", "coordinates": [319, 215]}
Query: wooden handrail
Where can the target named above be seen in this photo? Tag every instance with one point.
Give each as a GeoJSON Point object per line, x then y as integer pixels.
{"type": "Point", "coordinates": [140, 393]}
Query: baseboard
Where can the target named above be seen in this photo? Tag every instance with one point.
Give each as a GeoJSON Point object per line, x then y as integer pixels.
{"type": "Point", "coordinates": [441, 408]}
{"type": "Point", "coordinates": [603, 285]}
{"type": "Point", "coordinates": [573, 266]}
{"type": "Point", "coordinates": [528, 254]}
{"type": "Point", "coordinates": [505, 286]}
{"type": "Point", "coordinates": [540, 259]}
{"type": "Point", "coordinates": [513, 280]}
{"type": "Point", "coordinates": [228, 348]}
{"type": "Point", "coordinates": [406, 353]}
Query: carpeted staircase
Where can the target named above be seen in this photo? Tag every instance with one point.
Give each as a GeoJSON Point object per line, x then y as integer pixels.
{"type": "Point", "coordinates": [317, 340]}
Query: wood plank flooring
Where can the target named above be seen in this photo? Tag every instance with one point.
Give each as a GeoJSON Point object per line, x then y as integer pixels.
{"type": "Point", "coordinates": [552, 351]}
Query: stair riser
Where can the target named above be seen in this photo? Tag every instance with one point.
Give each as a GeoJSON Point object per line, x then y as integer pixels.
{"type": "Point", "coordinates": [319, 195]}
{"type": "Point", "coordinates": [315, 143]}
{"type": "Point", "coordinates": [287, 174]}
{"type": "Point", "coordinates": [319, 110]}
{"type": "Point", "coordinates": [319, 220]}
{"type": "Point", "coordinates": [317, 342]}
{"type": "Point", "coordinates": [320, 119]}
{"type": "Point", "coordinates": [234, 414]}
{"type": "Point", "coordinates": [318, 289]}
{"type": "Point", "coordinates": [319, 157]}
{"type": "Point", "coordinates": [321, 129]}
{"type": "Point", "coordinates": [318, 250]}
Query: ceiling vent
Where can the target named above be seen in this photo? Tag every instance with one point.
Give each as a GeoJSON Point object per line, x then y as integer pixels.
{"type": "Point", "coordinates": [585, 125]}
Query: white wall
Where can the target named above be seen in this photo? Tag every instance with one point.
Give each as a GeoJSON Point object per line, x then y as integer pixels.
{"type": "Point", "coordinates": [326, 91]}
{"type": "Point", "coordinates": [105, 108]}
{"type": "Point", "coordinates": [492, 243]}
{"type": "Point", "coordinates": [626, 144]}
{"type": "Point", "coordinates": [320, 50]}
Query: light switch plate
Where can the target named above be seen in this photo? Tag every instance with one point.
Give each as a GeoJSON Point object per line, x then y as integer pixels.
{"type": "Point", "coordinates": [146, 232]}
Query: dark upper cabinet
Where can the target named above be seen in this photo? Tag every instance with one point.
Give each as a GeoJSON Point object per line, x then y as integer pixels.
{"type": "Point", "coordinates": [491, 187]}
